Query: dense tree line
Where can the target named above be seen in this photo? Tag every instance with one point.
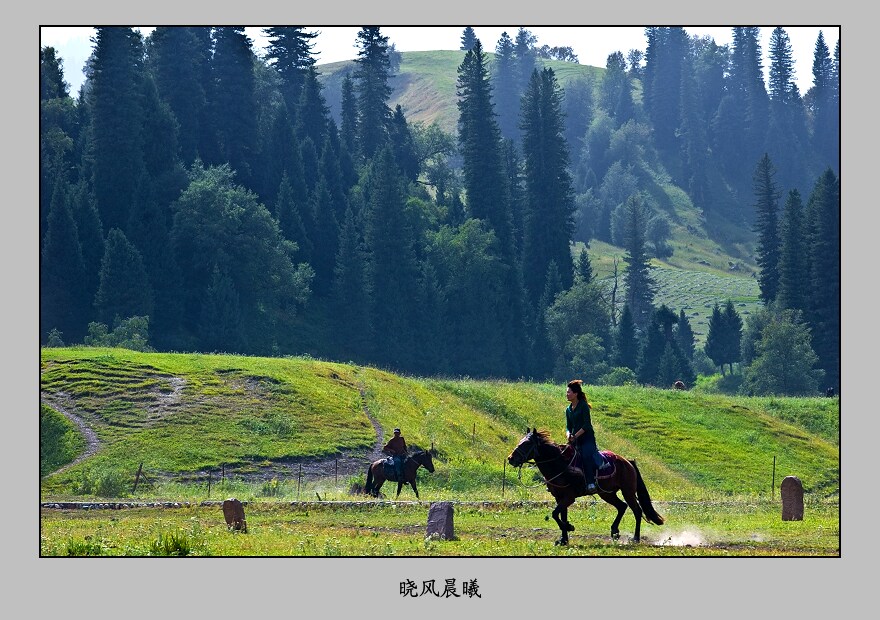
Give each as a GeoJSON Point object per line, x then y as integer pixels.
{"type": "Point", "coordinates": [209, 195]}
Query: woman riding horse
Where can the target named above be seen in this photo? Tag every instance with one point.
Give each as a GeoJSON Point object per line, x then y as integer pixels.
{"type": "Point", "coordinates": [566, 482]}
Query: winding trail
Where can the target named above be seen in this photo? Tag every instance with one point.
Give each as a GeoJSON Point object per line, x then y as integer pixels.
{"type": "Point", "coordinates": [62, 403]}
{"type": "Point", "coordinates": [342, 465]}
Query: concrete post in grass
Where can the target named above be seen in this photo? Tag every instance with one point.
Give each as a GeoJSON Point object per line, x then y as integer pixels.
{"type": "Point", "coordinates": [233, 511]}
{"type": "Point", "coordinates": [792, 492]}
{"type": "Point", "coordinates": [440, 521]}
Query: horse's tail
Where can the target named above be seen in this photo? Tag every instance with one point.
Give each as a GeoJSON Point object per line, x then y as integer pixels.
{"type": "Point", "coordinates": [651, 515]}
{"type": "Point", "coordinates": [368, 487]}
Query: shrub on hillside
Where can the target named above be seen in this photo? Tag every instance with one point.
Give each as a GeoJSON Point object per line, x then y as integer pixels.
{"type": "Point", "coordinates": [620, 375]}
{"type": "Point", "coordinates": [131, 333]}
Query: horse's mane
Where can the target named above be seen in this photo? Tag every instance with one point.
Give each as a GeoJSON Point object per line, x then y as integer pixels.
{"type": "Point", "coordinates": [544, 436]}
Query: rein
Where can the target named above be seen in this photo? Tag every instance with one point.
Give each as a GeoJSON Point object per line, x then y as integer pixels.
{"type": "Point", "coordinates": [536, 462]}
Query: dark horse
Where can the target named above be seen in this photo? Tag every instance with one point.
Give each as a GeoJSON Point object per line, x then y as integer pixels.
{"type": "Point", "coordinates": [376, 473]}
{"type": "Point", "coordinates": [566, 482]}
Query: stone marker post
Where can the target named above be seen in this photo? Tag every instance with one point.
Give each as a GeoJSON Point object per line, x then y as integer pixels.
{"type": "Point", "coordinates": [233, 511]}
{"type": "Point", "coordinates": [792, 492]}
{"type": "Point", "coordinates": [440, 520]}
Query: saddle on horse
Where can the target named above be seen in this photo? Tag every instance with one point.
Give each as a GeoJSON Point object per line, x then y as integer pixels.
{"type": "Point", "coordinates": [605, 470]}
{"type": "Point", "coordinates": [390, 470]}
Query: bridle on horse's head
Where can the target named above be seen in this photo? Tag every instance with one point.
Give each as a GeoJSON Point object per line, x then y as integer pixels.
{"type": "Point", "coordinates": [533, 448]}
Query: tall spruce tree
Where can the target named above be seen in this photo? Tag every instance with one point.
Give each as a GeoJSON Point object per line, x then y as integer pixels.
{"type": "Point", "coordinates": [373, 91]}
{"type": "Point", "coordinates": [825, 100]}
{"type": "Point", "coordinates": [583, 270]}
{"type": "Point", "coordinates": [124, 290]}
{"type": "Point", "coordinates": [787, 138]}
{"type": "Point", "coordinates": [468, 38]}
{"type": "Point", "coordinates": [715, 338]}
{"type": "Point", "coordinates": [472, 280]}
{"type": "Point", "coordinates": [549, 208]}
{"type": "Point", "coordinates": [403, 145]}
{"type": "Point", "coordinates": [626, 341]}
{"type": "Point", "coordinates": [117, 120]}
{"type": "Point", "coordinates": [291, 53]}
{"type": "Point", "coordinates": [684, 335]}
{"type": "Point", "coordinates": [63, 305]}
{"type": "Point", "coordinates": [326, 239]}
{"type": "Point", "coordinates": [313, 115]}
{"type": "Point", "coordinates": [823, 243]}
{"type": "Point", "coordinates": [290, 223]}
{"type": "Point", "coordinates": [667, 49]}
{"type": "Point", "coordinates": [616, 90]}
{"type": "Point", "coordinates": [640, 284]}
{"type": "Point", "coordinates": [480, 143]}
{"type": "Point", "coordinates": [177, 59]}
{"type": "Point", "coordinates": [350, 293]}
{"type": "Point", "coordinates": [220, 324]}
{"type": "Point", "coordinates": [651, 353]}
{"type": "Point", "coordinates": [349, 115]}
{"type": "Point", "coordinates": [506, 87]}
{"type": "Point", "coordinates": [90, 234]}
{"type": "Point", "coordinates": [794, 281]}
{"type": "Point", "coordinates": [52, 84]}
{"type": "Point", "coordinates": [732, 334]}
{"type": "Point", "coordinates": [766, 228]}
{"type": "Point", "coordinates": [234, 104]}
{"type": "Point", "coordinates": [148, 231]}
{"type": "Point", "coordinates": [693, 140]}
{"type": "Point", "coordinates": [487, 190]}
{"type": "Point", "coordinates": [392, 271]}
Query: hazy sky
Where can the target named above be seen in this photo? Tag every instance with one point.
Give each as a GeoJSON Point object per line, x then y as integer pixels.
{"type": "Point", "coordinates": [592, 44]}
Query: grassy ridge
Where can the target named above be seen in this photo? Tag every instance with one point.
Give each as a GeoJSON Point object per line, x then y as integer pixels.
{"type": "Point", "coordinates": [185, 413]}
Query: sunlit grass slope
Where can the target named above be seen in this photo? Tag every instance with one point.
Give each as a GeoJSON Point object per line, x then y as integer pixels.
{"type": "Point", "coordinates": [184, 413]}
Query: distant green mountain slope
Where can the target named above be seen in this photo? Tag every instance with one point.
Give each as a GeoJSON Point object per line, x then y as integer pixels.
{"type": "Point", "coordinates": [426, 82]}
{"type": "Point", "coordinates": [702, 269]}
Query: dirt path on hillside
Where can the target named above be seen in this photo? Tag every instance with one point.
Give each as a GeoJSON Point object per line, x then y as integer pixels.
{"type": "Point", "coordinates": [337, 467]}
{"type": "Point", "coordinates": [63, 404]}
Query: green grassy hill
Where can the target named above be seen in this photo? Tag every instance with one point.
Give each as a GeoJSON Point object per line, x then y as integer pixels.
{"type": "Point", "coordinates": [184, 415]}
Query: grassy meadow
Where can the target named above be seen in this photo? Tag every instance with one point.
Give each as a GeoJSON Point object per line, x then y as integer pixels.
{"type": "Point", "coordinates": [202, 428]}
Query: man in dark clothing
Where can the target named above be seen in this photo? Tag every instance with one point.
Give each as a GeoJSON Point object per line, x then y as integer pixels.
{"type": "Point", "coordinates": [396, 447]}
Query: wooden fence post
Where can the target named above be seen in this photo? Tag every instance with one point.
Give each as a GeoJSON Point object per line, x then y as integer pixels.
{"type": "Point", "coordinates": [298, 480]}
{"type": "Point", "coordinates": [773, 484]}
{"type": "Point", "coordinates": [137, 477]}
{"type": "Point", "coordinates": [209, 484]}
{"type": "Point", "coordinates": [336, 471]}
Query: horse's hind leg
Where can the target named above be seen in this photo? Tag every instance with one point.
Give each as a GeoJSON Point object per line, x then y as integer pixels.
{"type": "Point", "coordinates": [630, 498]}
{"type": "Point", "coordinates": [618, 503]}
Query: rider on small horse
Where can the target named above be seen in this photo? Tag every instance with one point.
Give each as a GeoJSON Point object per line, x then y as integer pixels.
{"type": "Point", "coordinates": [396, 447]}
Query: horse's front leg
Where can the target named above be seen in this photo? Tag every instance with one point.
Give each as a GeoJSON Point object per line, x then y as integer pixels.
{"type": "Point", "coordinates": [399, 487]}
{"type": "Point", "coordinates": [562, 522]}
{"type": "Point", "coordinates": [414, 488]}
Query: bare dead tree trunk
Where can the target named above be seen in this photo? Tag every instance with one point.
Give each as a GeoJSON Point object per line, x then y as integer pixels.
{"type": "Point", "coordinates": [614, 294]}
